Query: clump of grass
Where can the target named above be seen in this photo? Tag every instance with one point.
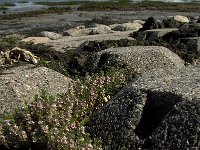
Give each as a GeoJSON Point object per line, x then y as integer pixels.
{"type": "Point", "coordinates": [59, 122]}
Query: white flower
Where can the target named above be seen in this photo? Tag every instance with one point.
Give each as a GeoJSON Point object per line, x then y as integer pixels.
{"type": "Point", "coordinates": [105, 99]}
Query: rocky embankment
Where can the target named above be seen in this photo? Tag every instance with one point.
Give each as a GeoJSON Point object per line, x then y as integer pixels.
{"type": "Point", "coordinates": [158, 109]}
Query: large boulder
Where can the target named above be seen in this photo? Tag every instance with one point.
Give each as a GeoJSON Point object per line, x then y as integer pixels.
{"type": "Point", "coordinates": [140, 58]}
{"type": "Point", "coordinates": [126, 26]}
{"type": "Point", "coordinates": [180, 128]}
{"type": "Point", "coordinates": [184, 81]}
{"type": "Point", "coordinates": [19, 85]}
{"type": "Point", "coordinates": [157, 110]}
{"type": "Point", "coordinates": [51, 35]}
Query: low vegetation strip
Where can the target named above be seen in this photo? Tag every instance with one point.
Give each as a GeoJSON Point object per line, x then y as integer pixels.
{"type": "Point", "coordinates": [59, 122]}
{"type": "Point", "coordinates": [35, 13]}
{"type": "Point", "coordinates": [7, 4]}
{"type": "Point", "coordinates": [61, 3]}
{"type": "Point", "coordinates": [61, 7]}
{"type": "Point", "coordinates": [127, 5]}
{"type": "Point", "coordinates": [149, 5]}
{"type": "Point", "coordinates": [79, 2]}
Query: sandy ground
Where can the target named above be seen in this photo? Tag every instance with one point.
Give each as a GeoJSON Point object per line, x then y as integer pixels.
{"type": "Point", "coordinates": [65, 20]}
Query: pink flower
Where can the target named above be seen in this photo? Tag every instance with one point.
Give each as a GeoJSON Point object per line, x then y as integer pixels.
{"type": "Point", "coordinates": [73, 125]}
{"type": "Point", "coordinates": [64, 141]}
{"type": "Point", "coordinates": [71, 143]}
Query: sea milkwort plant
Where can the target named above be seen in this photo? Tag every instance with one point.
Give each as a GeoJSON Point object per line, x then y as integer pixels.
{"type": "Point", "coordinates": [57, 123]}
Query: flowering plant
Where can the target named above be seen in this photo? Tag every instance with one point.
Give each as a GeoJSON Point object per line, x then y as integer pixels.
{"type": "Point", "coordinates": [58, 122]}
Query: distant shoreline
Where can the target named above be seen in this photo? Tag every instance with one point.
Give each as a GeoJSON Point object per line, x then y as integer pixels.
{"type": "Point", "coordinates": [29, 7]}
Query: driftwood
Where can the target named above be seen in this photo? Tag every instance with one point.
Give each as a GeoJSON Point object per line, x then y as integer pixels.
{"type": "Point", "coordinates": [16, 54]}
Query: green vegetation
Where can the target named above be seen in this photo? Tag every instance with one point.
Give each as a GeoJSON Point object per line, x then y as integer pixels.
{"type": "Point", "coordinates": [78, 2]}
{"type": "Point", "coordinates": [127, 5]}
{"type": "Point", "coordinates": [23, 1]}
{"type": "Point", "coordinates": [7, 4]}
{"type": "Point", "coordinates": [3, 8]}
{"type": "Point", "coordinates": [62, 3]}
{"type": "Point", "coordinates": [100, 6]}
{"type": "Point", "coordinates": [59, 122]}
{"type": "Point", "coordinates": [36, 13]}
{"type": "Point", "coordinates": [7, 43]}
{"type": "Point", "coordinates": [145, 5]}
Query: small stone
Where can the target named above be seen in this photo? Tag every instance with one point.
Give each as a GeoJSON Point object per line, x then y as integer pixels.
{"type": "Point", "coordinates": [50, 35]}
{"type": "Point", "coordinates": [181, 19]}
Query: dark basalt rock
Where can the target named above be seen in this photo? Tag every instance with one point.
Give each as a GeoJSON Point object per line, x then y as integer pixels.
{"type": "Point", "coordinates": [96, 46]}
{"type": "Point", "coordinates": [158, 110]}
{"type": "Point", "coordinates": [193, 19]}
{"type": "Point", "coordinates": [184, 31]}
{"type": "Point", "coordinates": [152, 23]}
{"type": "Point", "coordinates": [153, 34]}
{"type": "Point", "coordinates": [76, 63]}
{"type": "Point", "coordinates": [56, 60]}
{"type": "Point", "coordinates": [172, 36]}
{"type": "Point", "coordinates": [125, 105]}
{"type": "Point", "coordinates": [180, 128]}
{"type": "Point", "coordinates": [171, 23]}
{"type": "Point", "coordinates": [198, 21]}
{"type": "Point", "coordinates": [192, 44]}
